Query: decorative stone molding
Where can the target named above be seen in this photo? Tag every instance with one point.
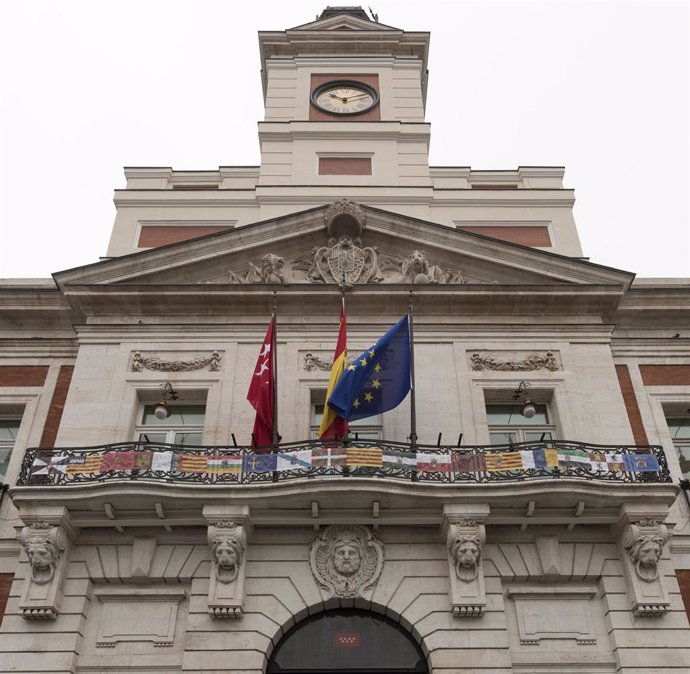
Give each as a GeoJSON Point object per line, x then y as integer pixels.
{"type": "Point", "coordinates": [346, 559]}
{"type": "Point", "coordinates": [535, 361]}
{"type": "Point", "coordinates": [312, 362]}
{"type": "Point", "coordinates": [47, 547]}
{"type": "Point", "coordinates": [641, 545]}
{"type": "Point", "coordinates": [344, 261]}
{"type": "Point", "coordinates": [465, 538]}
{"type": "Point", "coordinates": [345, 217]}
{"type": "Point", "coordinates": [270, 269]}
{"type": "Point", "coordinates": [227, 539]}
{"type": "Point", "coordinates": [141, 362]}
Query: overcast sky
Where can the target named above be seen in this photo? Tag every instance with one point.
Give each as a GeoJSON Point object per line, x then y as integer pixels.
{"type": "Point", "coordinates": [599, 87]}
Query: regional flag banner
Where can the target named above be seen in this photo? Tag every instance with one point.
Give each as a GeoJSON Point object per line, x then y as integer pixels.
{"type": "Point", "coordinates": [378, 379]}
{"type": "Point", "coordinates": [162, 461]}
{"type": "Point", "coordinates": [261, 390]}
{"type": "Point", "coordinates": [50, 463]}
{"type": "Point", "coordinates": [221, 464]}
{"type": "Point", "coordinates": [400, 459]}
{"type": "Point", "coordinates": [364, 457]}
{"type": "Point", "coordinates": [503, 461]}
{"type": "Point", "coordinates": [82, 463]}
{"type": "Point", "coordinates": [299, 460]}
{"type": "Point", "coordinates": [641, 463]}
{"type": "Point", "coordinates": [433, 463]}
{"type": "Point", "coordinates": [465, 462]}
{"type": "Point", "coordinates": [333, 426]}
{"type": "Point", "coordinates": [259, 463]}
{"type": "Point", "coordinates": [328, 457]}
{"type": "Point", "coordinates": [190, 463]}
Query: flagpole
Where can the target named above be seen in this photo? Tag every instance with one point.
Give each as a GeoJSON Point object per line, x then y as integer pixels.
{"type": "Point", "coordinates": [274, 349]}
{"type": "Point", "coordinates": [346, 437]}
{"type": "Point", "coordinates": [413, 406]}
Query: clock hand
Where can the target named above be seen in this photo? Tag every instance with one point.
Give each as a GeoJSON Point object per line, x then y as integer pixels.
{"type": "Point", "coordinates": [352, 98]}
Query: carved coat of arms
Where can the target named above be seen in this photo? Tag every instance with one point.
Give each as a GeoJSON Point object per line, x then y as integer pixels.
{"type": "Point", "coordinates": [345, 261]}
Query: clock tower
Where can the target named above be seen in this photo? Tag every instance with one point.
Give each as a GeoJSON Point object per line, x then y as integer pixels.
{"type": "Point", "coordinates": [344, 105]}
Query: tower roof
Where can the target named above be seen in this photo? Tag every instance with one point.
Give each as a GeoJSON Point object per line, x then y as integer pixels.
{"type": "Point", "coordinates": [343, 9]}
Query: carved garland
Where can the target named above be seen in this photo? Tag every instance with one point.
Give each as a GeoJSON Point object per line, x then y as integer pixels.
{"type": "Point", "coordinates": [546, 361]}
{"type": "Point", "coordinates": [157, 364]}
{"type": "Point", "coordinates": [312, 362]}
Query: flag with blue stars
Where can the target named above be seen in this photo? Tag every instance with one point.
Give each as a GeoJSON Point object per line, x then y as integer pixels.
{"type": "Point", "coordinates": [378, 379]}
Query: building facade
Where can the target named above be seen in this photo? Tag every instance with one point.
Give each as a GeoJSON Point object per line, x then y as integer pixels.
{"type": "Point", "coordinates": [499, 540]}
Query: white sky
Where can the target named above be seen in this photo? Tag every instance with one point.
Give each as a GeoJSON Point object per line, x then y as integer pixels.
{"type": "Point", "coordinates": [88, 87]}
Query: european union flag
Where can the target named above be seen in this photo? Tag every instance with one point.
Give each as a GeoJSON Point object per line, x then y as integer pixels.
{"type": "Point", "coordinates": [378, 379]}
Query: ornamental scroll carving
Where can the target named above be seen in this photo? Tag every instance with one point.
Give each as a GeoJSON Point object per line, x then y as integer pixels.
{"type": "Point", "coordinates": [535, 361]}
{"type": "Point", "coordinates": [641, 545]}
{"type": "Point", "coordinates": [346, 560]}
{"type": "Point", "coordinates": [46, 548]}
{"type": "Point", "coordinates": [312, 362]}
{"type": "Point", "coordinates": [141, 362]}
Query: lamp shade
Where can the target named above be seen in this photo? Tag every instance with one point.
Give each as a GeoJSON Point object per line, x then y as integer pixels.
{"type": "Point", "coordinates": [161, 411]}
{"type": "Point", "coordinates": [529, 409]}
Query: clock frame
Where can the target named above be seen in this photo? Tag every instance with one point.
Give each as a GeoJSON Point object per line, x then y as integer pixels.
{"type": "Point", "coordinates": [332, 85]}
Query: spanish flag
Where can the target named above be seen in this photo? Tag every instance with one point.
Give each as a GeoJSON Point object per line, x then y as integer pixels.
{"type": "Point", "coordinates": [333, 426]}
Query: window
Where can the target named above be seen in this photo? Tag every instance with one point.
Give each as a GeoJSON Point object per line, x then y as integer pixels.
{"type": "Point", "coordinates": [184, 426]}
{"type": "Point", "coordinates": [680, 432]}
{"type": "Point", "coordinates": [370, 428]}
{"type": "Point", "coordinates": [507, 426]}
{"type": "Point", "coordinates": [9, 427]}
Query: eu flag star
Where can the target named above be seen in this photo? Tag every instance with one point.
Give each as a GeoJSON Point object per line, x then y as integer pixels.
{"type": "Point", "coordinates": [371, 353]}
{"type": "Point", "coordinates": [351, 367]}
{"type": "Point", "coordinates": [368, 397]}
{"type": "Point", "coordinates": [377, 367]}
{"type": "Point", "coordinates": [356, 404]}
{"type": "Point", "coordinates": [375, 383]}
{"type": "Point", "coordinates": [363, 361]}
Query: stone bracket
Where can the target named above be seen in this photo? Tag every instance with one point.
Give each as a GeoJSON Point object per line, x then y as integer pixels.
{"type": "Point", "coordinates": [465, 534]}
{"type": "Point", "coordinates": [228, 529]}
{"type": "Point", "coordinates": [641, 542]}
{"type": "Point", "coordinates": [47, 547]}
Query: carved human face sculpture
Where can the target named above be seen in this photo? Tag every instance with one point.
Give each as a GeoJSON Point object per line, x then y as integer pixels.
{"type": "Point", "coordinates": [418, 262]}
{"type": "Point", "coordinates": [42, 559]}
{"type": "Point", "coordinates": [346, 559]}
{"type": "Point", "coordinates": [467, 554]}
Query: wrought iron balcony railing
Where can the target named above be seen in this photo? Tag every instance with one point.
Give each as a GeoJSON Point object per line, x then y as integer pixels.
{"type": "Point", "coordinates": [152, 462]}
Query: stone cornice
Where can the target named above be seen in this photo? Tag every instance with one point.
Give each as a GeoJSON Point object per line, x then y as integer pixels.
{"type": "Point", "coordinates": [345, 501]}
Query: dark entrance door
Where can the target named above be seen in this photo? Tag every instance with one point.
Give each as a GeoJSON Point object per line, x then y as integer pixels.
{"type": "Point", "coordinates": [347, 641]}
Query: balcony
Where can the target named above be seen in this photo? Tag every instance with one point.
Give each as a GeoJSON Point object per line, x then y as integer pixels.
{"type": "Point", "coordinates": [241, 466]}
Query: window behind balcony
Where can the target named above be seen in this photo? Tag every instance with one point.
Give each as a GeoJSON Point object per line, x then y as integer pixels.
{"type": "Point", "coordinates": [507, 425]}
{"type": "Point", "coordinates": [9, 427]}
{"type": "Point", "coordinates": [680, 432]}
{"type": "Point", "coordinates": [184, 426]}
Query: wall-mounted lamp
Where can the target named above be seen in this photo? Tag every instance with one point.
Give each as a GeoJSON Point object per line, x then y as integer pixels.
{"type": "Point", "coordinates": [161, 410]}
{"type": "Point", "coordinates": [529, 409]}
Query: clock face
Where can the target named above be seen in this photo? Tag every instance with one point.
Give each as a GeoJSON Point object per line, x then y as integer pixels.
{"type": "Point", "coordinates": [344, 97]}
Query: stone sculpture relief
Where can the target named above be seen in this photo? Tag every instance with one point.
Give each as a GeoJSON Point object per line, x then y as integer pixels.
{"type": "Point", "coordinates": [228, 546]}
{"type": "Point", "coordinates": [47, 548]}
{"type": "Point", "coordinates": [344, 261]}
{"type": "Point", "coordinates": [347, 560]}
{"type": "Point", "coordinates": [465, 540]}
{"type": "Point", "coordinates": [536, 361]}
{"type": "Point", "coordinates": [228, 543]}
{"type": "Point", "coordinates": [43, 544]}
{"type": "Point", "coordinates": [641, 545]}
{"type": "Point", "coordinates": [141, 362]}
{"type": "Point", "coordinates": [465, 550]}
{"type": "Point", "coordinates": [312, 362]}
{"type": "Point", "coordinates": [645, 541]}
{"type": "Point", "coordinates": [416, 269]}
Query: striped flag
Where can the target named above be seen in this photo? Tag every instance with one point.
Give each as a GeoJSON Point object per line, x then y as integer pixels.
{"type": "Point", "coordinates": [190, 463]}
{"type": "Point", "coordinates": [333, 426]}
{"type": "Point", "coordinates": [501, 461]}
{"type": "Point", "coordinates": [85, 464]}
{"type": "Point", "coordinates": [327, 457]}
{"type": "Point", "coordinates": [219, 464]}
{"type": "Point", "coordinates": [364, 457]}
{"type": "Point", "coordinates": [573, 456]}
{"type": "Point", "coordinates": [433, 463]}
{"type": "Point", "coordinates": [400, 459]}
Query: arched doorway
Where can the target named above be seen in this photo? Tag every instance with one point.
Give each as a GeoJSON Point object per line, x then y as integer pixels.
{"type": "Point", "coordinates": [346, 641]}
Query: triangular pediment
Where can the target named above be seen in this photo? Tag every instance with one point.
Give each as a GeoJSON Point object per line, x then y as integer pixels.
{"type": "Point", "coordinates": [362, 245]}
{"type": "Point", "coordinates": [343, 22]}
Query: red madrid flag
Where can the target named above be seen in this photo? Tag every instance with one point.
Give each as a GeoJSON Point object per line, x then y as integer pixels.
{"type": "Point", "coordinates": [261, 390]}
